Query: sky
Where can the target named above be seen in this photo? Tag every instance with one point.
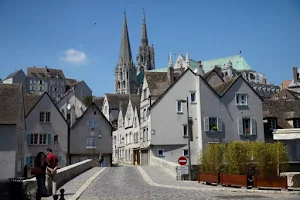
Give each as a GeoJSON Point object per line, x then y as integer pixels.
{"type": "Point", "coordinates": [63, 34]}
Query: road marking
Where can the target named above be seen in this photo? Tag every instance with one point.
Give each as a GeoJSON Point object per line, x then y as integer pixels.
{"type": "Point", "coordinates": [86, 185]}
{"type": "Point", "coordinates": [151, 182]}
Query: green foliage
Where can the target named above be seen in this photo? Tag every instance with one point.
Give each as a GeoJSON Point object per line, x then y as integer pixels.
{"type": "Point", "coordinates": [267, 159]}
{"type": "Point", "coordinates": [87, 100]}
{"type": "Point", "coordinates": [211, 158]}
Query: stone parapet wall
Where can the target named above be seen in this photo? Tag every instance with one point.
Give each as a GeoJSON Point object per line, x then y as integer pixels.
{"type": "Point", "coordinates": [166, 166]}
{"type": "Point", "coordinates": [293, 178]}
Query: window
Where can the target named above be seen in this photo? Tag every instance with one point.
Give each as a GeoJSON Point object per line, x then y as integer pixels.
{"type": "Point", "coordinates": [296, 123]}
{"type": "Point", "coordinates": [144, 114]}
{"type": "Point", "coordinates": [193, 97]}
{"type": "Point", "coordinates": [241, 99]}
{"type": "Point", "coordinates": [41, 88]}
{"type": "Point", "coordinates": [145, 93]}
{"type": "Point", "coordinates": [68, 116]}
{"type": "Point", "coordinates": [179, 106]}
{"type": "Point", "coordinates": [272, 123]}
{"type": "Point", "coordinates": [34, 139]}
{"type": "Point", "coordinates": [90, 143]}
{"type": "Point", "coordinates": [48, 115]}
{"type": "Point", "coordinates": [41, 82]}
{"type": "Point", "coordinates": [298, 150]}
{"type": "Point", "coordinates": [43, 139]}
{"type": "Point", "coordinates": [32, 88]}
{"type": "Point", "coordinates": [38, 139]}
{"type": "Point", "coordinates": [55, 138]}
{"type": "Point", "coordinates": [184, 130]}
{"type": "Point", "coordinates": [160, 153]}
{"type": "Point", "coordinates": [212, 124]}
{"type": "Point", "coordinates": [246, 126]}
{"type": "Point", "coordinates": [63, 112]}
{"type": "Point", "coordinates": [185, 153]}
{"type": "Point", "coordinates": [31, 161]}
{"type": "Point", "coordinates": [42, 116]}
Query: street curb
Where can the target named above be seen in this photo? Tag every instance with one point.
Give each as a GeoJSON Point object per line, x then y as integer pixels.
{"type": "Point", "coordinates": [151, 182]}
{"type": "Point", "coordinates": [86, 185]}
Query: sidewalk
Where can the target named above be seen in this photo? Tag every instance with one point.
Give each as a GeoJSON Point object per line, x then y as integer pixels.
{"type": "Point", "coordinates": [161, 178]}
{"type": "Point", "coordinates": [72, 186]}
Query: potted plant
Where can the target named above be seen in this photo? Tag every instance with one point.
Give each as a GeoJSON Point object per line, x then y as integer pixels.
{"type": "Point", "coordinates": [214, 128]}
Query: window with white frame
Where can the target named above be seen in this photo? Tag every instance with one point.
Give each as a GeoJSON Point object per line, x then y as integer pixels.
{"type": "Point", "coordinates": [288, 150]}
{"type": "Point", "coordinates": [45, 117]}
{"type": "Point", "coordinates": [185, 152]}
{"type": "Point", "coordinates": [296, 123]}
{"type": "Point", "coordinates": [39, 139]}
{"type": "Point", "coordinates": [42, 139]}
{"type": "Point", "coordinates": [42, 116]}
{"type": "Point", "coordinates": [48, 116]}
{"type": "Point", "coordinates": [241, 99]}
{"type": "Point", "coordinates": [193, 97]}
{"type": "Point", "coordinates": [179, 107]}
{"type": "Point", "coordinates": [212, 124]}
{"type": "Point", "coordinates": [90, 143]}
{"type": "Point", "coordinates": [55, 139]}
{"type": "Point", "coordinates": [160, 153]}
{"type": "Point", "coordinates": [32, 88]}
{"type": "Point", "coordinates": [272, 123]}
{"type": "Point", "coordinates": [246, 126]}
{"type": "Point", "coordinates": [34, 139]}
{"type": "Point", "coordinates": [185, 130]}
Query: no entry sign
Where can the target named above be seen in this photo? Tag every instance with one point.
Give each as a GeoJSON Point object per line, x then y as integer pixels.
{"type": "Point", "coordinates": [182, 160]}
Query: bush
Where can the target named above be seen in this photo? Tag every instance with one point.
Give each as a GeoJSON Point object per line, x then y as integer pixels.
{"type": "Point", "coordinates": [211, 158]}
{"type": "Point", "coordinates": [265, 159]}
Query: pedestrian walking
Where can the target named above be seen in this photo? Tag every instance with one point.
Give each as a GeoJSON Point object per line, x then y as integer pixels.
{"type": "Point", "coordinates": [100, 159]}
{"type": "Point", "coordinates": [39, 171]}
{"type": "Point", "coordinates": [51, 172]}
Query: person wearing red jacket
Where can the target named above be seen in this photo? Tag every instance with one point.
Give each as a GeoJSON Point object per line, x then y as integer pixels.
{"type": "Point", "coordinates": [51, 171]}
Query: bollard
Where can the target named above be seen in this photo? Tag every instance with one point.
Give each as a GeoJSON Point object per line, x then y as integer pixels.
{"type": "Point", "coordinates": [62, 195]}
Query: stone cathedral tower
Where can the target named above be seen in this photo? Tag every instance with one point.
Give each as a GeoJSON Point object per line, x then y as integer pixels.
{"type": "Point", "coordinates": [145, 57]}
{"type": "Point", "coordinates": [125, 71]}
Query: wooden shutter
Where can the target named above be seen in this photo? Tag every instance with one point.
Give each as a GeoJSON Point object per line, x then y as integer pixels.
{"type": "Point", "coordinates": [240, 126]}
{"type": "Point", "coordinates": [27, 161]}
{"type": "Point", "coordinates": [206, 124]}
{"type": "Point", "coordinates": [253, 127]}
{"type": "Point", "coordinates": [59, 159]}
{"type": "Point", "coordinates": [49, 138]}
{"type": "Point", "coordinates": [220, 124]}
{"type": "Point", "coordinates": [28, 138]}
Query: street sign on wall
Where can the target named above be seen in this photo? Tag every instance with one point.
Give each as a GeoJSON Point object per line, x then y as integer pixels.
{"type": "Point", "coordinates": [182, 160]}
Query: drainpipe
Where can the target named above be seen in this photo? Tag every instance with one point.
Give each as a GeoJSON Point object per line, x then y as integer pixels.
{"type": "Point", "coordinates": [68, 151]}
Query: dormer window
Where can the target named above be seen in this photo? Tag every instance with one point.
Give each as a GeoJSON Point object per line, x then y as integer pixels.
{"type": "Point", "coordinates": [296, 123]}
{"type": "Point", "coordinates": [41, 75]}
{"type": "Point", "coordinates": [33, 74]}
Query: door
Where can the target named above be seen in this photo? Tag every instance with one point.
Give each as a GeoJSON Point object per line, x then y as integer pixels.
{"type": "Point", "coordinates": [144, 157]}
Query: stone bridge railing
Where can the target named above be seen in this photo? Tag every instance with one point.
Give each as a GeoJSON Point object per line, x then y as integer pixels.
{"type": "Point", "coordinates": [166, 166]}
{"type": "Point", "coordinates": [63, 175]}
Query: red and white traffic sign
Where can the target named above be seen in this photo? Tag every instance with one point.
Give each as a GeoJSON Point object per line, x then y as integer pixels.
{"type": "Point", "coordinates": [182, 160]}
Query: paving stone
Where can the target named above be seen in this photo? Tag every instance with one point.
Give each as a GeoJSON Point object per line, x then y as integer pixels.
{"type": "Point", "coordinates": [127, 183]}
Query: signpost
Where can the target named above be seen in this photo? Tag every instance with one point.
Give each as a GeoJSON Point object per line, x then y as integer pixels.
{"type": "Point", "coordinates": [182, 160]}
{"type": "Point", "coordinates": [182, 169]}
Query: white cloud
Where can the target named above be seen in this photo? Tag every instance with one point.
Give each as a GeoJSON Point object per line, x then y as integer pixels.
{"type": "Point", "coordinates": [74, 57]}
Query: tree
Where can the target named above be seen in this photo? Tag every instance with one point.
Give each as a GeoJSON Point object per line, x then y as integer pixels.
{"type": "Point", "coordinates": [87, 100]}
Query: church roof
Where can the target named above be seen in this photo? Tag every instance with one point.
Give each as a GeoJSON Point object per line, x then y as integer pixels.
{"type": "Point", "coordinates": [238, 63]}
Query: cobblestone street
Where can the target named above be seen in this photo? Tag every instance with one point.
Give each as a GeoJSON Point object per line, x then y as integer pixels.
{"type": "Point", "coordinates": [126, 182]}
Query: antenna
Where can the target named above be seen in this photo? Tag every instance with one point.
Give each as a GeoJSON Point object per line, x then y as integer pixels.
{"type": "Point", "coordinates": [69, 106]}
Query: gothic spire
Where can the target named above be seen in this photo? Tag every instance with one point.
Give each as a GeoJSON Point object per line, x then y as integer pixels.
{"type": "Point", "coordinates": [144, 31]}
{"type": "Point", "coordinates": [125, 51]}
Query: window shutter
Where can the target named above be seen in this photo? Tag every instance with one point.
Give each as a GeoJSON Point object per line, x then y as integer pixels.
{"type": "Point", "coordinates": [96, 124]}
{"type": "Point", "coordinates": [240, 126]}
{"type": "Point", "coordinates": [49, 138]}
{"type": "Point", "coordinates": [28, 161]}
{"type": "Point", "coordinates": [253, 126]}
{"type": "Point", "coordinates": [206, 124]}
{"type": "Point", "coordinates": [59, 159]}
{"type": "Point", "coordinates": [88, 123]}
{"type": "Point", "coordinates": [219, 122]}
{"type": "Point", "coordinates": [28, 138]}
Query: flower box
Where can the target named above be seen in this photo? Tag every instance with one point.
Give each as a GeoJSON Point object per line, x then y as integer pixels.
{"type": "Point", "coordinates": [234, 180]}
{"type": "Point", "coordinates": [275, 182]}
{"type": "Point", "coordinates": [208, 177]}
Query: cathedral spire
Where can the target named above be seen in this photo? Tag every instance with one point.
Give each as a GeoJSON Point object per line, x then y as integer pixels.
{"type": "Point", "coordinates": [125, 50]}
{"type": "Point", "coordinates": [144, 31]}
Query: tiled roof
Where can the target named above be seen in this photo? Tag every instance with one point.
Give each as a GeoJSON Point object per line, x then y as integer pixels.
{"type": "Point", "coordinates": [282, 110]}
{"type": "Point", "coordinates": [70, 81]}
{"type": "Point", "coordinates": [10, 96]}
{"type": "Point", "coordinates": [114, 99]}
{"type": "Point", "coordinates": [99, 101]}
{"type": "Point", "coordinates": [29, 102]}
{"type": "Point", "coordinates": [47, 72]}
{"type": "Point", "coordinates": [135, 101]}
{"type": "Point", "coordinates": [286, 94]}
{"type": "Point", "coordinates": [286, 83]}
{"type": "Point", "coordinates": [123, 107]}
{"type": "Point", "coordinates": [223, 87]}
{"type": "Point", "coordinates": [11, 75]}
{"type": "Point", "coordinates": [264, 90]}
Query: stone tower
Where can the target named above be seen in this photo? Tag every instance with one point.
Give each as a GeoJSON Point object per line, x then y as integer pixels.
{"type": "Point", "coordinates": [145, 57]}
{"type": "Point", "coordinates": [125, 71]}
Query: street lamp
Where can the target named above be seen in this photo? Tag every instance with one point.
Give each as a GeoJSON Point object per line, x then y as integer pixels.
{"type": "Point", "coordinates": [189, 136]}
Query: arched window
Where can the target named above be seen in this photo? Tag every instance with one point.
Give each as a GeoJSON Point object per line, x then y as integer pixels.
{"type": "Point", "coordinates": [123, 84]}
{"type": "Point", "coordinates": [119, 85]}
{"type": "Point", "coordinates": [121, 75]}
{"type": "Point", "coordinates": [127, 75]}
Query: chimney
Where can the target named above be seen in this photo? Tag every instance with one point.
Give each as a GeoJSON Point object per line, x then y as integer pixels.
{"type": "Point", "coordinates": [295, 74]}
{"type": "Point", "coordinates": [200, 68]}
{"type": "Point", "coordinates": [73, 115]}
{"type": "Point", "coordinates": [171, 75]}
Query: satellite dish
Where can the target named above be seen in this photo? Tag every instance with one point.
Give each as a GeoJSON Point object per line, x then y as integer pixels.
{"type": "Point", "coordinates": [69, 106]}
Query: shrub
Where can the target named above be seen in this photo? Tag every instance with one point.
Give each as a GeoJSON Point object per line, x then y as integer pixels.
{"type": "Point", "coordinates": [211, 158]}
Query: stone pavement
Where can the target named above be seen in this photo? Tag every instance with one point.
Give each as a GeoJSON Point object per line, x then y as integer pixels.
{"type": "Point", "coordinates": [130, 182]}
